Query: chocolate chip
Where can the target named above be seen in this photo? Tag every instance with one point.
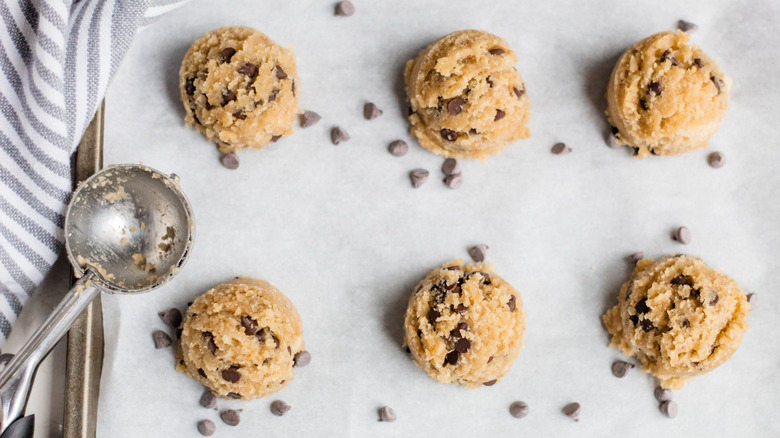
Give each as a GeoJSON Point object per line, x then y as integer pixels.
{"type": "Point", "coordinates": [258, 103]}
{"type": "Point", "coordinates": [248, 69]}
{"type": "Point", "coordinates": [719, 84]}
{"type": "Point", "coordinates": [279, 408]}
{"type": "Point", "coordinates": [683, 235]}
{"type": "Point", "coordinates": [387, 414]}
{"type": "Point", "coordinates": [641, 306]}
{"type": "Point", "coordinates": [518, 409]}
{"type": "Point", "coordinates": [249, 324]}
{"type": "Point", "coordinates": [338, 135]}
{"type": "Point", "coordinates": [620, 368]}
{"type": "Point", "coordinates": [669, 408]}
{"type": "Point", "coordinates": [490, 359]}
{"type": "Point", "coordinates": [231, 417]}
{"type": "Point", "coordinates": [499, 115]}
{"type": "Point", "coordinates": [572, 410]}
{"type": "Point", "coordinates": [433, 316]}
{"type": "Point", "coordinates": [461, 308]}
{"type": "Point", "coordinates": [280, 74]}
{"type": "Point", "coordinates": [687, 26]}
{"type": "Point", "coordinates": [668, 56]}
{"type": "Point", "coordinates": [371, 111]}
{"type": "Point", "coordinates": [206, 427]}
{"type": "Point", "coordinates": [455, 106]}
{"type": "Point", "coordinates": [345, 9]}
{"type": "Point", "coordinates": [227, 53]}
{"type": "Point", "coordinates": [634, 319]}
{"type": "Point", "coordinates": [714, 300]}
{"type": "Point", "coordinates": [637, 256]}
{"type": "Point", "coordinates": [662, 394]}
{"type": "Point", "coordinates": [208, 400]}
{"type": "Point", "coordinates": [453, 268]}
{"type": "Point", "coordinates": [260, 335]}
{"type": "Point", "coordinates": [489, 82]}
{"type": "Point", "coordinates": [453, 181]}
{"type": "Point", "coordinates": [161, 339]}
{"type": "Point", "coordinates": [275, 138]}
{"type": "Point", "coordinates": [231, 374]}
{"type": "Point", "coordinates": [206, 104]}
{"type": "Point", "coordinates": [399, 148]}
{"type": "Point", "coordinates": [228, 96]}
{"type": "Point", "coordinates": [273, 95]}
{"type": "Point", "coordinates": [293, 87]}
{"type": "Point", "coordinates": [716, 160]}
{"type": "Point", "coordinates": [201, 373]}
{"type": "Point", "coordinates": [496, 51]}
{"type": "Point", "coordinates": [452, 358]}
{"type": "Point", "coordinates": [455, 333]}
{"type": "Point", "coordinates": [418, 177]}
{"type": "Point", "coordinates": [276, 340]}
{"type": "Point", "coordinates": [512, 303]}
{"type": "Point", "coordinates": [230, 161]}
{"type": "Point", "coordinates": [473, 131]}
{"type": "Point", "coordinates": [646, 325]}
{"type": "Point", "coordinates": [239, 115]}
{"type": "Point", "coordinates": [682, 280]}
{"type": "Point", "coordinates": [171, 317]}
{"type": "Point", "coordinates": [189, 86]}
{"type": "Point", "coordinates": [302, 358]}
{"type": "Point", "coordinates": [490, 382]}
{"type": "Point", "coordinates": [450, 167]}
{"type": "Point", "coordinates": [643, 104]}
{"type": "Point", "coordinates": [698, 62]}
{"type": "Point", "coordinates": [560, 149]}
{"type": "Point", "coordinates": [462, 345]}
{"type": "Point", "coordinates": [612, 141]}
{"type": "Point", "coordinates": [655, 87]}
{"type": "Point", "coordinates": [449, 134]}
{"type": "Point", "coordinates": [309, 118]}
{"type": "Point", "coordinates": [518, 92]}
{"type": "Point", "coordinates": [478, 252]}
{"type": "Point", "coordinates": [750, 297]}
{"type": "Point", "coordinates": [686, 323]}
{"type": "Point", "coordinates": [234, 395]}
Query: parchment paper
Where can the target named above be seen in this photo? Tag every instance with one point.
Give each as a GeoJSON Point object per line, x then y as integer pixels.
{"type": "Point", "coordinates": [343, 234]}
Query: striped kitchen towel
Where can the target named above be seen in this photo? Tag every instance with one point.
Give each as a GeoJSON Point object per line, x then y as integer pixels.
{"type": "Point", "coordinates": [57, 58]}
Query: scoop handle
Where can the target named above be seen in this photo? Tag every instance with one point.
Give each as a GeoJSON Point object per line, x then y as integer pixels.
{"type": "Point", "coordinates": [17, 376]}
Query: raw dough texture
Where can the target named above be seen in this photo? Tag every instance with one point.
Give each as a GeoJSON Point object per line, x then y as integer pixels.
{"type": "Point", "coordinates": [240, 338]}
{"type": "Point", "coordinates": [666, 97]}
{"type": "Point", "coordinates": [679, 317]}
{"type": "Point", "coordinates": [464, 325]}
{"type": "Point", "coordinates": [467, 100]}
{"type": "Point", "coordinates": [239, 88]}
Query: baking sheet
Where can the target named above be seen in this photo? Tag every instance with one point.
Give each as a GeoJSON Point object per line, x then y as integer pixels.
{"type": "Point", "coordinates": [343, 234]}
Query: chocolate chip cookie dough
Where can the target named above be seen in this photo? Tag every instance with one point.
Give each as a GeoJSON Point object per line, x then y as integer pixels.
{"type": "Point", "coordinates": [464, 325]}
{"type": "Point", "coordinates": [467, 100]}
{"type": "Point", "coordinates": [239, 88]}
{"type": "Point", "coordinates": [679, 317]}
{"type": "Point", "coordinates": [666, 97]}
{"type": "Point", "coordinates": [240, 339]}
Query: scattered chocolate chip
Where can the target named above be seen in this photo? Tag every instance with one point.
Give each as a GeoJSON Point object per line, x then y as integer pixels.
{"type": "Point", "coordinates": [662, 394]}
{"type": "Point", "coordinates": [248, 69]}
{"type": "Point", "coordinates": [418, 177]}
{"type": "Point", "coordinates": [230, 161]}
{"type": "Point", "coordinates": [560, 149]}
{"type": "Point", "coordinates": [231, 374]}
{"type": "Point", "coordinates": [454, 107]}
{"type": "Point", "coordinates": [655, 87]}
{"type": "Point", "coordinates": [279, 408]}
{"type": "Point", "coordinates": [309, 118]}
{"type": "Point", "coordinates": [171, 317]}
{"type": "Point", "coordinates": [293, 87]}
{"type": "Point", "coordinates": [189, 86]}
{"type": "Point", "coordinates": [455, 333]}
{"type": "Point", "coordinates": [682, 280]}
{"type": "Point", "coordinates": [228, 96]}
{"type": "Point", "coordinates": [449, 134]}
{"type": "Point", "coordinates": [698, 62]}
{"type": "Point", "coordinates": [453, 181]}
{"type": "Point", "coordinates": [641, 306]}
{"type": "Point", "coordinates": [478, 252]}
{"type": "Point", "coordinates": [716, 160]}
{"type": "Point", "coordinates": [433, 316]}
{"type": "Point", "coordinates": [572, 410]}
{"type": "Point", "coordinates": [302, 358]}
{"type": "Point", "coordinates": [643, 104]}
{"type": "Point", "coordinates": [461, 308]}
{"type": "Point", "coordinates": [231, 417]}
{"type": "Point", "coordinates": [259, 102]}
{"type": "Point", "coordinates": [719, 84]}
{"type": "Point", "coordinates": [620, 368]}
{"type": "Point", "coordinates": [276, 340]}
{"type": "Point", "coordinates": [687, 26]}
{"type": "Point", "coordinates": [206, 427]}
{"type": "Point", "coordinates": [473, 131]}
{"type": "Point", "coordinates": [275, 138]}
{"type": "Point", "coordinates": [345, 9]}
{"type": "Point", "coordinates": [637, 256]}
{"type": "Point", "coordinates": [496, 51]}
{"type": "Point", "coordinates": [669, 408]}
{"type": "Point", "coordinates": [234, 395]}
{"type": "Point", "coordinates": [518, 92]}
{"type": "Point", "coordinates": [249, 324]}
{"type": "Point", "coordinates": [490, 359]}
{"type": "Point", "coordinates": [686, 323]}
{"type": "Point", "coordinates": [201, 373]}
{"type": "Point", "coordinates": [634, 319]}
{"type": "Point", "coordinates": [280, 74]}
{"type": "Point", "coordinates": [161, 339]}
{"type": "Point", "coordinates": [452, 358]}
{"type": "Point", "coordinates": [450, 167]}
{"type": "Point", "coordinates": [338, 135]}
{"type": "Point", "coordinates": [260, 335]}
{"type": "Point", "coordinates": [239, 115]}
{"type": "Point", "coordinates": [208, 400]}
{"type": "Point", "coordinates": [750, 297]}
{"type": "Point", "coordinates": [371, 111]}
{"type": "Point", "coordinates": [227, 53]}
{"type": "Point", "coordinates": [462, 345]}
{"type": "Point", "coordinates": [206, 104]}
{"type": "Point", "coordinates": [399, 148]}
{"type": "Point", "coordinates": [489, 82]}
{"type": "Point", "coordinates": [683, 235]}
{"type": "Point", "coordinates": [714, 300]}
{"type": "Point", "coordinates": [274, 93]}
{"type": "Point", "coordinates": [387, 414]}
{"type": "Point", "coordinates": [518, 409]}
{"type": "Point", "coordinates": [490, 382]}
{"type": "Point", "coordinates": [499, 115]}
{"type": "Point", "coordinates": [646, 325]}
{"type": "Point", "coordinates": [667, 55]}
{"type": "Point", "coordinates": [453, 268]}
{"type": "Point", "coordinates": [512, 303]}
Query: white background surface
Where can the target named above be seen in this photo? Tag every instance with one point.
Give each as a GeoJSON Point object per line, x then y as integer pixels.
{"type": "Point", "coordinates": [343, 234]}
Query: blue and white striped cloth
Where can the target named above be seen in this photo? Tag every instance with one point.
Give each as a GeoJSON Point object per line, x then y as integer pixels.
{"type": "Point", "coordinates": [57, 58]}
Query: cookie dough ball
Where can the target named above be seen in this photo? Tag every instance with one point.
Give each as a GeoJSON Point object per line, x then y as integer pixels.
{"type": "Point", "coordinates": [464, 325]}
{"type": "Point", "coordinates": [666, 97]}
{"type": "Point", "coordinates": [240, 338]}
{"type": "Point", "coordinates": [239, 88]}
{"type": "Point", "coordinates": [679, 317]}
{"type": "Point", "coordinates": [467, 99]}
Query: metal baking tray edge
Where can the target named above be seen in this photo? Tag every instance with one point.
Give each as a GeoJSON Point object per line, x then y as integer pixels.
{"type": "Point", "coordinates": [84, 362]}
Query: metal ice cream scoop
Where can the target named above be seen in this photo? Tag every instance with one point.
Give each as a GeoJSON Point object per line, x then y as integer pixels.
{"type": "Point", "coordinates": [128, 230]}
